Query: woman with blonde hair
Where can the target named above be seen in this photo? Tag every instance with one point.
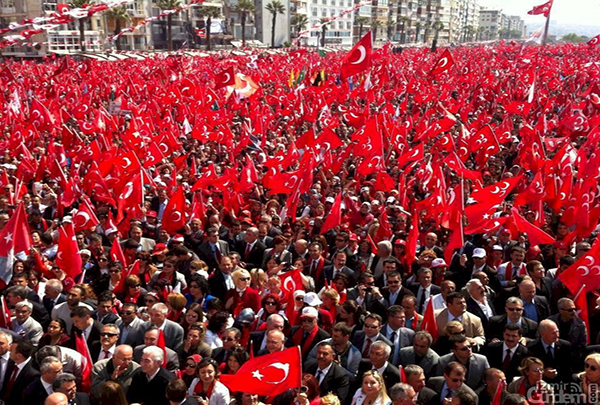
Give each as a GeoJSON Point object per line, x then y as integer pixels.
{"type": "Point", "coordinates": [531, 385]}
{"type": "Point", "coordinates": [372, 391]}
{"type": "Point", "coordinates": [259, 280]}
{"type": "Point", "coordinates": [590, 377]}
{"type": "Point", "coordinates": [242, 296]}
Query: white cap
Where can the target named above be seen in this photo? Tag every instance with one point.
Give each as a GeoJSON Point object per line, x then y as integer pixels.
{"type": "Point", "coordinates": [85, 252]}
{"type": "Point", "coordinates": [390, 200]}
{"type": "Point", "coordinates": [309, 312]}
{"type": "Point", "coordinates": [479, 253]}
{"type": "Point", "coordinates": [438, 263]}
{"type": "Point", "coordinates": [364, 189]}
{"type": "Point", "coordinates": [299, 293]}
{"type": "Point", "coordinates": [330, 200]}
{"type": "Point", "coordinates": [312, 299]}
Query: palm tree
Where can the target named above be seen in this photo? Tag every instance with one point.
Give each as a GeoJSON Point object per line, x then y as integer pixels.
{"type": "Point", "coordinates": [323, 31]}
{"type": "Point", "coordinates": [361, 21]}
{"type": "Point", "coordinates": [375, 24]}
{"type": "Point", "coordinates": [389, 25]}
{"type": "Point", "coordinates": [209, 12]}
{"type": "Point", "coordinates": [418, 31]}
{"type": "Point", "coordinates": [437, 26]}
{"type": "Point", "coordinates": [168, 5]}
{"type": "Point", "coordinates": [244, 7]}
{"type": "Point", "coordinates": [405, 28]}
{"type": "Point", "coordinates": [300, 21]}
{"type": "Point", "coordinates": [118, 13]}
{"type": "Point", "coordinates": [275, 7]}
{"type": "Point", "coordinates": [82, 21]}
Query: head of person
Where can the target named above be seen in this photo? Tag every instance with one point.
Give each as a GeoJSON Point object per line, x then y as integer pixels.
{"type": "Point", "coordinates": [177, 391]}
{"type": "Point", "coordinates": [374, 386]}
{"type": "Point", "coordinates": [517, 255]}
{"type": "Point", "coordinates": [532, 369]}
{"type": "Point", "coordinates": [82, 318]}
{"type": "Point", "coordinates": [275, 340]}
{"type": "Point", "coordinates": [75, 295]}
{"type": "Point", "coordinates": [111, 392]}
{"type": "Point", "coordinates": [592, 368]}
{"type": "Point", "coordinates": [396, 317]}
{"type": "Point", "coordinates": [464, 398]}
{"type": "Point", "coordinates": [548, 331]}
{"type": "Point", "coordinates": [325, 355]}
{"type": "Point", "coordinates": [479, 256]}
{"type": "Point", "coordinates": [422, 342]}
{"type": "Point", "coordinates": [6, 341]}
{"type": "Point", "coordinates": [403, 394]}
{"type": "Point", "coordinates": [512, 335]}
{"type": "Point", "coordinates": [50, 368]}
{"type": "Point", "coordinates": [207, 371]}
{"type": "Point", "coordinates": [105, 303]}
{"type": "Point", "coordinates": [409, 303]}
{"type": "Point", "coordinates": [380, 353]}
{"type": "Point", "coordinates": [308, 318]}
{"type": "Point", "coordinates": [514, 309]}
{"type": "Point", "coordinates": [152, 359]}
{"type": "Point", "coordinates": [123, 357]}
{"type": "Point", "coordinates": [394, 280]}
{"type": "Point", "coordinates": [158, 314]}
{"type": "Point", "coordinates": [535, 269]}
{"type": "Point", "coordinates": [56, 398]}
{"type": "Point", "coordinates": [340, 335]}
{"type": "Point", "coordinates": [231, 338]}
{"type": "Point", "coordinates": [424, 277]}
{"type": "Point", "coordinates": [415, 377]}
{"type": "Point", "coordinates": [109, 335]}
{"type": "Point", "coordinates": [226, 265]}
{"type": "Point", "coordinates": [461, 348]}
{"type": "Point", "coordinates": [456, 304]}
{"type": "Point", "coordinates": [251, 234]}
{"type": "Point", "coordinates": [339, 259]}
{"type": "Point", "coordinates": [390, 265]}
{"type": "Point", "coordinates": [566, 309]}
{"type": "Point", "coordinates": [241, 279]}
{"type": "Point", "coordinates": [454, 328]}
{"type": "Point", "coordinates": [454, 374]}
{"type": "Point", "coordinates": [492, 377]}
{"type": "Point", "coordinates": [53, 288]}
{"type": "Point", "coordinates": [235, 358]}
{"type": "Point", "coordinates": [476, 289]}
{"type": "Point", "coordinates": [373, 324]}
{"type": "Point", "coordinates": [315, 250]}
{"type": "Point", "coordinates": [128, 312]}
{"type": "Point", "coordinates": [23, 311]}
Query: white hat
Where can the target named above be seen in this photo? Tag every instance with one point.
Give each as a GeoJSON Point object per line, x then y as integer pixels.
{"type": "Point", "coordinates": [309, 312]}
{"type": "Point", "coordinates": [479, 253]}
{"type": "Point", "coordinates": [438, 263]}
{"type": "Point", "coordinates": [85, 252]}
{"type": "Point", "coordinates": [299, 293]}
{"type": "Point", "coordinates": [330, 200]}
{"type": "Point", "coordinates": [390, 200]}
{"type": "Point", "coordinates": [312, 299]}
{"type": "Point", "coordinates": [498, 247]}
{"type": "Point", "coordinates": [364, 189]}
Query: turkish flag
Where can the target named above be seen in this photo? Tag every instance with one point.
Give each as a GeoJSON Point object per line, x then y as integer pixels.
{"type": "Point", "coordinates": [174, 217]}
{"type": "Point", "coordinates": [429, 324]}
{"type": "Point", "coordinates": [535, 235]}
{"type": "Point", "coordinates": [594, 41]}
{"type": "Point", "coordinates": [133, 269]}
{"type": "Point", "coordinates": [335, 215]}
{"type": "Point", "coordinates": [497, 192]}
{"type": "Point", "coordinates": [84, 218]}
{"type": "Point", "coordinates": [14, 238]}
{"type": "Point", "coordinates": [584, 271]}
{"type": "Point", "coordinates": [267, 375]}
{"type": "Point", "coordinates": [86, 362]}
{"type": "Point", "coordinates": [359, 58]}
{"type": "Point", "coordinates": [67, 256]}
{"type": "Point", "coordinates": [412, 239]}
{"type": "Point", "coordinates": [5, 315]}
{"type": "Point", "coordinates": [116, 253]}
{"type": "Point", "coordinates": [444, 63]}
{"type": "Point", "coordinates": [225, 78]}
{"type": "Point", "coordinates": [541, 9]}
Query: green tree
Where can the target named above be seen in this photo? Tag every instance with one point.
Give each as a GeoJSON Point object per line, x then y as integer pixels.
{"type": "Point", "coordinates": [244, 7]}
{"type": "Point", "coordinates": [168, 5]}
{"type": "Point", "coordinates": [572, 37]}
{"type": "Point", "coordinates": [361, 21]}
{"type": "Point", "coordinates": [209, 12]}
{"type": "Point", "coordinates": [405, 26]}
{"type": "Point", "coordinates": [437, 26]}
{"type": "Point", "coordinates": [323, 30]}
{"type": "Point", "coordinates": [418, 31]}
{"type": "Point", "coordinates": [375, 25]}
{"type": "Point", "coordinates": [81, 22]}
{"type": "Point", "coordinates": [275, 7]}
{"type": "Point", "coordinates": [299, 21]}
{"type": "Point", "coordinates": [389, 25]}
{"type": "Point", "coordinates": [118, 13]}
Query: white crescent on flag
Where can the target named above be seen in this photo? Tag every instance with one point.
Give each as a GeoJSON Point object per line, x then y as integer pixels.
{"type": "Point", "coordinates": [363, 55]}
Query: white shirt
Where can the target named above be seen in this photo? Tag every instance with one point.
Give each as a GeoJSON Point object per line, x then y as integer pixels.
{"type": "Point", "coordinates": [487, 310]}
{"type": "Point", "coordinates": [382, 368]}
{"type": "Point", "coordinates": [111, 353]}
{"type": "Point", "coordinates": [47, 387]}
{"type": "Point", "coordinates": [153, 375]}
{"type": "Point", "coordinates": [22, 366]}
{"type": "Point", "coordinates": [505, 348]}
{"type": "Point", "coordinates": [452, 317]}
{"type": "Point", "coordinates": [323, 372]}
{"type": "Point", "coordinates": [438, 302]}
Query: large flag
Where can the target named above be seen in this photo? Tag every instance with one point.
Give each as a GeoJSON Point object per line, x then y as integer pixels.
{"type": "Point", "coordinates": [174, 217]}
{"type": "Point", "coordinates": [584, 271]}
{"type": "Point", "coordinates": [14, 238]}
{"type": "Point", "coordinates": [267, 375]}
{"type": "Point", "coordinates": [594, 41]}
{"type": "Point", "coordinates": [444, 63]}
{"type": "Point", "coordinates": [359, 58]}
{"type": "Point", "coordinates": [535, 235]}
{"type": "Point", "coordinates": [86, 362]}
{"type": "Point", "coordinates": [541, 9]}
{"type": "Point", "coordinates": [335, 215]}
{"type": "Point", "coordinates": [67, 256]}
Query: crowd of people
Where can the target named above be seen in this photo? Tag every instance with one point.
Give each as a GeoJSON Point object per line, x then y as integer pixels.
{"type": "Point", "coordinates": [190, 204]}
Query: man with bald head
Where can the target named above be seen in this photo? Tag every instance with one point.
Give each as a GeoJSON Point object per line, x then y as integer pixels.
{"type": "Point", "coordinates": [119, 368]}
{"type": "Point", "coordinates": [251, 249]}
{"type": "Point", "coordinates": [259, 338]}
{"type": "Point", "coordinates": [535, 307]}
{"type": "Point", "coordinates": [275, 342]}
{"type": "Point", "coordinates": [58, 398]}
{"type": "Point", "coordinates": [555, 353]}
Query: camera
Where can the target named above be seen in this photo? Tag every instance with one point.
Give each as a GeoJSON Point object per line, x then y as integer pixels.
{"type": "Point", "coordinates": [369, 289]}
{"type": "Point", "coordinates": [303, 389]}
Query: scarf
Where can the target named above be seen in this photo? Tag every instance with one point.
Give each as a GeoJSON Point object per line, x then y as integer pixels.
{"type": "Point", "coordinates": [132, 298]}
{"type": "Point", "coordinates": [297, 339]}
{"type": "Point", "coordinates": [509, 271]}
{"type": "Point", "coordinates": [536, 396]}
{"type": "Point", "coordinates": [199, 389]}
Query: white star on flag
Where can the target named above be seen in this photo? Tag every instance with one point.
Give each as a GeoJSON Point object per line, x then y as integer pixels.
{"type": "Point", "coordinates": [256, 374]}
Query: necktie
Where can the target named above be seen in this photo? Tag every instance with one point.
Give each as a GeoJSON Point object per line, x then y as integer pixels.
{"type": "Point", "coordinates": [367, 348]}
{"type": "Point", "coordinates": [106, 354]}
{"type": "Point", "coordinates": [506, 361]}
{"type": "Point", "coordinates": [11, 382]}
{"type": "Point", "coordinates": [313, 268]}
{"type": "Point", "coordinates": [422, 300]}
{"type": "Point", "coordinates": [248, 248]}
{"type": "Point", "coordinates": [393, 337]}
{"type": "Point", "coordinates": [319, 375]}
{"type": "Point", "coordinates": [549, 352]}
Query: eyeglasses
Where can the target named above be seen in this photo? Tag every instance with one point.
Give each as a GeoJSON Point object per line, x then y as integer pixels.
{"type": "Point", "coordinates": [464, 348]}
{"type": "Point", "coordinates": [568, 309]}
{"type": "Point", "coordinates": [537, 370]}
{"type": "Point", "coordinates": [103, 259]}
{"type": "Point", "coordinates": [591, 367]}
{"type": "Point", "coordinates": [307, 320]}
{"type": "Point", "coordinates": [126, 312]}
{"type": "Point", "coordinates": [455, 380]}
{"type": "Point", "coordinates": [228, 339]}
{"type": "Point", "coordinates": [371, 326]}
{"type": "Point", "coordinates": [393, 282]}
{"type": "Point", "coordinates": [108, 334]}
{"type": "Point", "coordinates": [190, 365]}
{"type": "Point", "coordinates": [114, 271]}
{"type": "Point", "coordinates": [270, 303]}
{"type": "Point", "coordinates": [515, 309]}
{"type": "Point", "coordinates": [245, 279]}
{"type": "Point", "coordinates": [299, 298]}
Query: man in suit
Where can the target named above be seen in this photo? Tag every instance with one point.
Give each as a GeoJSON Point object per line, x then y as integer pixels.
{"type": "Point", "coordinates": [479, 303]}
{"type": "Point", "coordinates": [24, 325]}
{"type": "Point", "coordinates": [413, 319]}
{"type": "Point", "coordinates": [130, 326]}
{"type": "Point", "coordinates": [402, 394]}
{"type": "Point", "coordinates": [462, 352]}
{"type": "Point", "coordinates": [420, 353]}
{"type": "Point", "coordinates": [371, 333]}
{"type": "Point", "coordinates": [119, 368]}
{"type": "Point", "coordinates": [315, 262]}
{"type": "Point", "coordinates": [349, 356]}
{"type": "Point", "coordinates": [300, 249]}
{"type": "Point", "coordinates": [172, 331]}
{"type": "Point", "coordinates": [231, 339]}
{"type": "Point", "coordinates": [367, 295]}
{"type": "Point", "coordinates": [151, 339]}
{"type": "Point", "coordinates": [330, 375]}
{"type": "Point", "coordinates": [6, 340]}
{"type": "Point", "coordinates": [308, 333]}
{"type": "Point", "coordinates": [492, 377]}
{"type": "Point", "coordinates": [19, 373]}
{"type": "Point", "coordinates": [378, 360]}
{"type": "Point", "coordinates": [19, 293]}
{"type": "Point", "coordinates": [275, 342]}
{"type": "Point", "coordinates": [439, 300]}
{"type": "Point", "coordinates": [65, 384]}
{"type": "Point", "coordinates": [264, 237]}
{"type": "Point", "coordinates": [105, 349]}
{"type": "Point", "coordinates": [177, 393]}
{"type": "Point", "coordinates": [461, 271]}
{"type": "Point", "coordinates": [213, 249]}
{"type": "Point", "coordinates": [41, 387]}
{"type": "Point", "coordinates": [220, 281]}
{"type": "Point", "coordinates": [507, 355]}
{"type": "Point", "coordinates": [555, 353]}
{"type": "Point", "coordinates": [83, 323]}
{"type": "Point", "coordinates": [338, 266]}
{"type": "Point", "coordinates": [143, 244]}
{"type": "Point", "coordinates": [424, 288]}
{"type": "Point", "coordinates": [457, 310]}
{"type": "Point", "coordinates": [452, 381]}
{"type": "Point", "coordinates": [342, 241]}
{"type": "Point", "coordinates": [104, 314]}
{"type": "Point", "coordinates": [514, 314]}
{"type": "Point", "coordinates": [394, 292]}
{"type": "Point", "coordinates": [570, 325]}
{"type": "Point", "coordinates": [396, 332]}
{"type": "Point", "coordinates": [415, 377]}
{"type": "Point", "coordinates": [431, 240]}
{"type": "Point", "coordinates": [53, 294]}
{"type": "Point", "coordinates": [535, 307]}
{"type": "Point", "coordinates": [159, 202]}
{"type": "Point", "coordinates": [509, 272]}
{"type": "Point", "coordinates": [149, 382]}
{"type": "Point", "coordinates": [75, 297]}
{"type": "Point", "coordinates": [251, 249]}
{"type": "Point", "coordinates": [258, 339]}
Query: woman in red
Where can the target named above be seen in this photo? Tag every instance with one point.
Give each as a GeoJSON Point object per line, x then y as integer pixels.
{"type": "Point", "coordinates": [270, 304]}
{"type": "Point", "coordinates": [242, 296]}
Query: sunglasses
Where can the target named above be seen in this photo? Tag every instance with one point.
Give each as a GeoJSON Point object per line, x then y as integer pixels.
{"type": "Point", "coordinates": [515, 309]}
{"type": "Point", "coordinates": [307, 320]}
{"type": "Point", "coordinates": [190, 365]}
{"type": "Point", "coordinates": [270, 303]}
{"type": "Point", "coordinates": [102, 259]}
{"type": "Point", "coordinates": [228, 339]}
{"type": "Point", "coordinates": [126, 312]}
{"type": "Point", "coordinates": [569, 309]}
{"type": "Point", "coordinates": [464, 349]}
{"type": "Point", "coordinates": [371, 326]}
{"type": "Point", "coordinates": [107, 334]}
{"type": "Point", "coordinates": [538, 370]}
{"type": "Point", "coordinates": [245, 279]}
{"type": "Point", "coordinates": [114, 271]}
{"type": "Point", "coordinates": [455, 380]}
{"type": "Point", "coordinates": [591, 367]}
{"type": "Point", "coordinates": [299, 298]}
{"type": "Point", "coordinates": [392, 282]}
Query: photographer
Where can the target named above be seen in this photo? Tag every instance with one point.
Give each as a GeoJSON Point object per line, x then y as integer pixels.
{"type": "Point", "coordinates": [367, 295]}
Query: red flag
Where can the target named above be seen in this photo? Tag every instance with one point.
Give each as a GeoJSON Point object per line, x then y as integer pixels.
{"type": "Point", "coordinates": [443, 64]}
{"type": "Point", "coordinates": [67, 256]}
{"type": "Point", "coordinates": [594, 41]}
{"type": "Point", "coordinates": [5, 316]}
{"type": "Point", "coordinates": [161, 343]}
{"type": "Point", "coordinates": [580, 301]}
{"type": "Point", "coordinates": [429, 324]}
{"type": "Point", "coordinates": [584, 271]}
{"type": "Point", "coordinates": [175, 217]}
{"type": "Point", "coordinates": [335, 215]}
{"type": "Point", "coordinates": [541, 9]}
{"type": "Point", "coordinates": [14, 238]}
{"type": "Point", "coordinates": [498, 394]}
{"type": "Point", "coordinates": [86, 362]}
{"type": "Point", "coordinates": [116, 253]}
{"type": "Point", "coordinates": [536, 235]}
{"type": "Point", "coordinates": [225, 78]}
{"type": "Point", "coordinates": [290, 282]}
{"type": "Point", "coordinates": [411, 242]}
{"type": "Point", "coordinates": [133, 269]}
{"type": "Point", "coordinates": [496, 192]}
{"type": "Point", "coordinates": [153, 155]}
{"type": "Point", "coordinates": [359, 58]}
{"type": "Point", "coordinates": [270, 374]}
{"type": "Point", "coordinates": [85, 217]}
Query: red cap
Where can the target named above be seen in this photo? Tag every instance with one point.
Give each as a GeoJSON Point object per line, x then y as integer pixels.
{"type": "Point", "coordinates": [151, 214]}
{"type": "Point", "coordinates": [159, 248]}
{"type": "Point", "coordinates": [400, 242]}
{"type": "Point", "coordinates": [353, 237]}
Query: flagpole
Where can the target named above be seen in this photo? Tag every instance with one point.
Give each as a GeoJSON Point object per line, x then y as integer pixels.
{"type": "Point", "coordinates": [546, 27]}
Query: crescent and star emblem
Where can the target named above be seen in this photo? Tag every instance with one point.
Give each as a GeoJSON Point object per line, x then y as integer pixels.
{"type": "Point", "coordinates": [363, 55]}
{"type": "Point", "coordinates": [285, 367]}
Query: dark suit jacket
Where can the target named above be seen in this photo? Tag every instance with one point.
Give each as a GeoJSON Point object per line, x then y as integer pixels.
{"type": "Point", "coordinates": [153, 392]}
{"type": "Point", "coordinates": [391, 374]}
{"type": "Point", "coordinates": [256, 339]}
{"type": "Point", "coordinates": [327, 274]}
{"type": "Point", "coordinates": [370, 303]}
{"type": "Point", "coordinates": [385, 291]}
{"type": "Point", "coordinates": [35, 394]}
{"type": "Point", "coordinates": [40, 314]}
{"type": "Point", "coordinates": [110, 318]}
{"type": "Point", "coordinates": [561, 360]}
{"type": "Point", "coordinates": [335, 381]}
{"type": "Point", "coordinates": [217, 285]}
{"type": "Point", "coordinates": [496, 327]}
{"type": "Point", "coordinates": [428, 396]}
{"type": "Point", "coordinates": [435, 289]}
{"type": "Point", "coordinates": [49, 304]}
{"type": "Point", "coordinates": [321, 335]}
{"type": "Point", "coordinates": [218, 355]}
{"type": "Point", "coordinates": [25, 377]}
{"type": "Point", "coordinates": [205, 253]}
{"type": "Point", "coordinates": [495, 355]}
{"type": "Point", "coordinates": [254, 258]}
{"type": "Point", "coordinates": [475, 309]}
{"type": "Point", "coordinates": [437, 384]}
{"type": "Point", "coordinates": [94, 336]}
{"type": "Point", "coordinates": [81, 398]}
{"type": "Point", "coordinates": [359, 340]}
